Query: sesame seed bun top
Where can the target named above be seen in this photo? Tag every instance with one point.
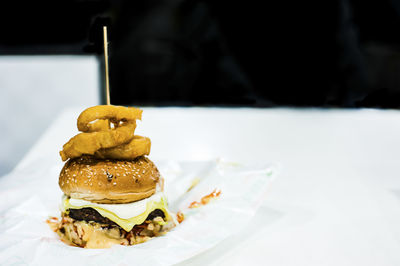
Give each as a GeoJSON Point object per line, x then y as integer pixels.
{"type": "Point", "coordinates": [109, 181]}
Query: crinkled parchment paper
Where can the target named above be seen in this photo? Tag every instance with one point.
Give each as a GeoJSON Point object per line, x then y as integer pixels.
{"type": "Point", "coordinates": [29, 196]}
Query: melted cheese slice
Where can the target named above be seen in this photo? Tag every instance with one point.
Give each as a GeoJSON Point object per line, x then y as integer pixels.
{"type": "Point", "coordinates": [125, 215]}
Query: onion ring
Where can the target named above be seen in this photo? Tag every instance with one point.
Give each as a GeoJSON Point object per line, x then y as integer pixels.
{"type": "Point", "coordinates": [138, 146]}
{"type": "Point", "coordinates": [99, 139]}
{"type": "Point", "coordinates": [90, 142]}
{"type": "Point", "coordinates": [99, 125]}
{"type": "Point", "coordinates": [111, 112]}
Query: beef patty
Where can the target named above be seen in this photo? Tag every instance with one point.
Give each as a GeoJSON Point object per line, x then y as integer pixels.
{"type": "Point", "coordinates": [89, 214]}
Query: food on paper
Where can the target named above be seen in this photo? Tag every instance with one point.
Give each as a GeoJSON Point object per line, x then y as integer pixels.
{"type": "Point", "coordinates": [180, 216]}
{"type": "Point", "coordinates": [206, 199]}
{"type": "Point", "coordinates": [113, 194]}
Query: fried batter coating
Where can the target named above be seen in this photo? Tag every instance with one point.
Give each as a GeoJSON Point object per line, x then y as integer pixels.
{"type": "Point", "coordinates": [99, 125]}
{"type": "Point", "coordinates": [90, 142]}
{"type": "Point", "coordinates": [103, 141]}
{"type": "Point", "coordinates": [138, 146]}
{"type": "Point", "coordinates": [111, 112]}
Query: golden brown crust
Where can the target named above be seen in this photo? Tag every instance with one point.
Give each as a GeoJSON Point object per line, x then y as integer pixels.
{"type": "Point", "coordinates": [109, 181]}
{"type": "Point", "coordinates": [113, 113]}
{"type": "Point", "coordinates": [138, 146]}
{"type": "Point", "coordinates": [89, 143]}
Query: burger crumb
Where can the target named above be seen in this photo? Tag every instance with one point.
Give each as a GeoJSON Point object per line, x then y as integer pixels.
{"type": "Point", "coordinates": [180, 217]}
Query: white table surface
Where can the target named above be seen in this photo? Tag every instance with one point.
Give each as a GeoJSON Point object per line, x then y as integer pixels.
{"type": "Point", "coordinates": [41, 86]}
{"type": "Point", "coordinates": [335, 202]}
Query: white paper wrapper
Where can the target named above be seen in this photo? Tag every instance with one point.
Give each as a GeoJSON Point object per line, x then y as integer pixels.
{"type": "Point", "coordinates": [31, 195]}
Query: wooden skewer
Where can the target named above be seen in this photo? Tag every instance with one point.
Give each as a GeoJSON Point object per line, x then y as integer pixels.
{"type": "Point", "coordinates": [106, 64]}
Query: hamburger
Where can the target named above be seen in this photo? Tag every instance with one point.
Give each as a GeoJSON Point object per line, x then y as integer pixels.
{"type": "Point", "coordinates": [114, 200]}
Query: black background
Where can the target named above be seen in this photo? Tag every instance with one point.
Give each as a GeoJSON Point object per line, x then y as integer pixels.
{"type": "Point", "coordinates": [342, 53]}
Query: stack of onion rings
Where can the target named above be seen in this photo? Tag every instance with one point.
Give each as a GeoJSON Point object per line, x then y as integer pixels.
{"type": "Point", "coordinates": [100, 139]}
